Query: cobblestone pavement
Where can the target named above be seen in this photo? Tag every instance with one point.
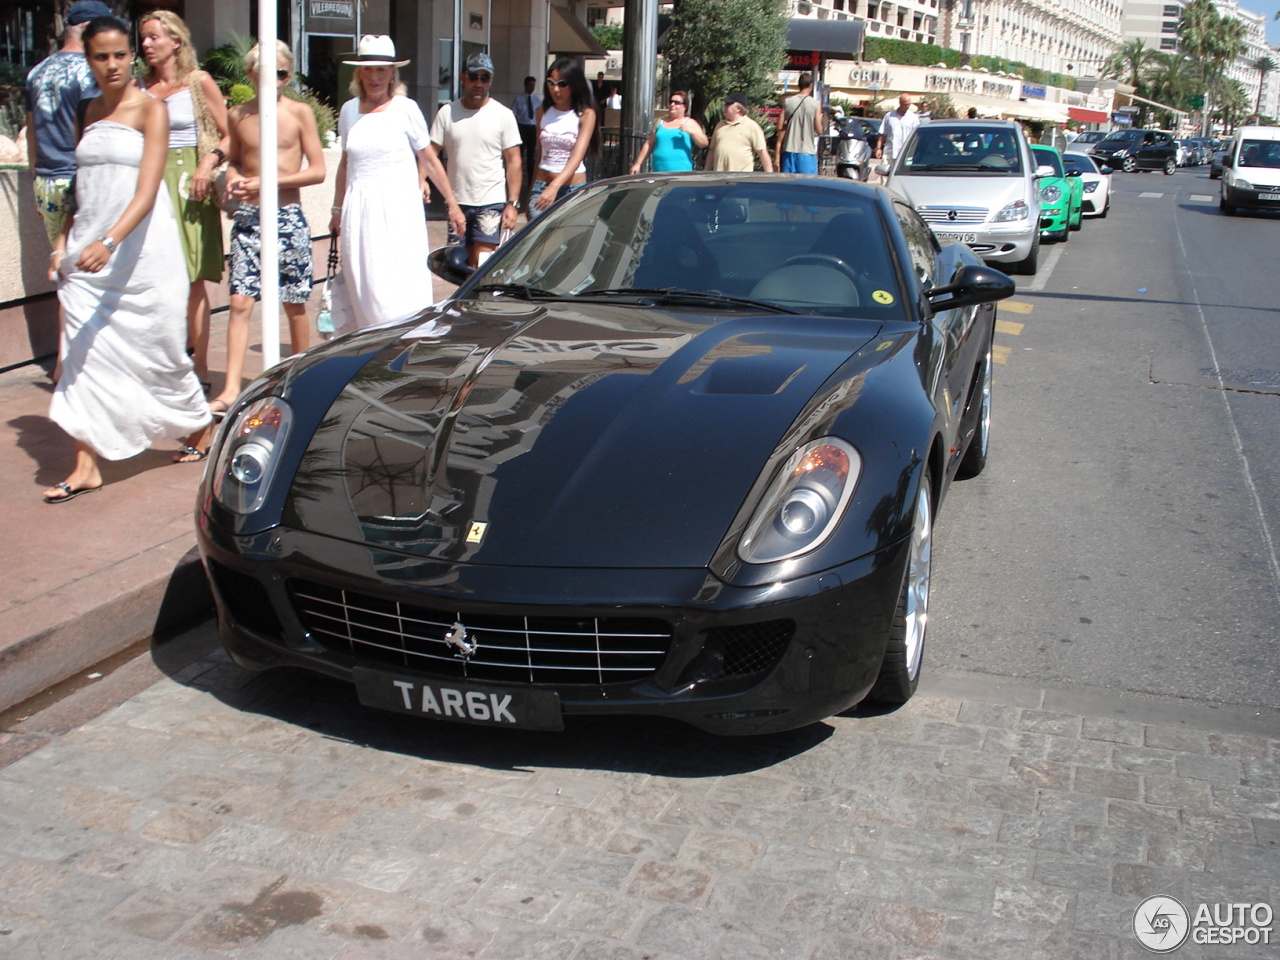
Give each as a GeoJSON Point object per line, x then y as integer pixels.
{"type": "Point", "coordinates": [219, 814]}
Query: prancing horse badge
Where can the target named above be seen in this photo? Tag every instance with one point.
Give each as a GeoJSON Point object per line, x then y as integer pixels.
{"type": "Point", "coordinates": [475, 532]}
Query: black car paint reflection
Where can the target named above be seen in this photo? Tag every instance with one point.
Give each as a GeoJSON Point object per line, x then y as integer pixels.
{"type": "Point", "coordinates": [589, 441]}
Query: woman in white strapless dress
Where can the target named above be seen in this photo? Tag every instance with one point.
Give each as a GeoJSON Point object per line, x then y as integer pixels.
{"type": "Point", "coordinates": [126, 380]}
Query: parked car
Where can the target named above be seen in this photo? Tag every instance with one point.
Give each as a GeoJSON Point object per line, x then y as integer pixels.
{"type": "Point", "coordinates": [1215, 165]}
{"type": "Point", "coordinates": [974, 181]}
{"type": "Point", "coordinates": [1188, 152]}
{"type": "Point", "coordinates": [1251, 171]}
{"type": "Point", "coordinates": [1131, 150]}
{"type": "Point", "coordinates": [672, 451]}
{"type": "Point", "coordinates": [1085, 142]}
{"type": "Point", "coordinates": [1060, 195]}
{"type": "Point", "coordinates": [1095, 183]}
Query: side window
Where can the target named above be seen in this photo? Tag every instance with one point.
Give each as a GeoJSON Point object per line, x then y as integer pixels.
{"type": "Point", "coordinates": [921, 245]}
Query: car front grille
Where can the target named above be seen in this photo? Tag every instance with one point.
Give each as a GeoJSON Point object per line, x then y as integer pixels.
{"type": "Point", "coordinates": [952, 214]}
{"type": "Point", "coordinates": [507, 648]}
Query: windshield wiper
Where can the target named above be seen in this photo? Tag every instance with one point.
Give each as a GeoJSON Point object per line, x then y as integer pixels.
{"type": "Point", "coordinates": [523, 290]}
{"type": "Point", "coordinates": [673, 294]}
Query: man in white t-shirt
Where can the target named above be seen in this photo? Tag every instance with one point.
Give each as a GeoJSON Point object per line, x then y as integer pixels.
{"type": "Point", "coordinates": [896, 130]}
{"type": "Point", "coordinates": [482, 143]}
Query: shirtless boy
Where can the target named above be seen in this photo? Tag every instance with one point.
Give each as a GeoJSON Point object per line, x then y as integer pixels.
{"type": "Point", "coordinates": [297, 137]}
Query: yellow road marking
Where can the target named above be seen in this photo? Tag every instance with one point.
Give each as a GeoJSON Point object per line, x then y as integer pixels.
{"type": "Point", "coordinates": [1014, 306]}
{"type": "Point", "coordinates": [1009, 326]}
{"type": "Point", "coordinates": [1001, 354]}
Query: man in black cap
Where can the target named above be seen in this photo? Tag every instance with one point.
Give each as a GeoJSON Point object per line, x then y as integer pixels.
{"type": "Point", "coordinates": [738, 140]}
{"type": "Point", "coordinates": [55, 88]}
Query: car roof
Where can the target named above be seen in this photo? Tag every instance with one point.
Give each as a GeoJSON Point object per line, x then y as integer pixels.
{"type": "Point", "coordinates": [977, 124]}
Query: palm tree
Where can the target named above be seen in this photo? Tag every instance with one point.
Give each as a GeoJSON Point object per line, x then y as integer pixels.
{"type": "Point", "coordinates": [1212, 41]}
{"type": "Point", "coordinates": [1263, 65]}
{"type": "Point", "coordinates": [1129, 62]}
{"type": "Point", "coordinates": [1170, 80]}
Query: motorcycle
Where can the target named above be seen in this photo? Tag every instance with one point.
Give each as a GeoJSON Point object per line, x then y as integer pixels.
{"type": "Point", "coordinates": [852, 149]}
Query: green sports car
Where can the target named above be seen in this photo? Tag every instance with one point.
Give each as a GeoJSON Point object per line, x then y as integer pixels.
{"type": "Point", "coordinates": [1061, 195]}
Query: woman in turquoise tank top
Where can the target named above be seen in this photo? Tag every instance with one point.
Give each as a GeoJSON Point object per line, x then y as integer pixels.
{"type": "Point", "coordinates": [672, 140]}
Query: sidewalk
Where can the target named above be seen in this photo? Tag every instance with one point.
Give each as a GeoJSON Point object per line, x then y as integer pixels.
{"type": "Point", "coordinates": [86, 579]}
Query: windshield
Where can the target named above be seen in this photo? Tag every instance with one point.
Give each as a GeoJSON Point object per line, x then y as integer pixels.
{"type": "Point", "coordinates": [783, 245]}
{"type": "Point", "coordinates": [1121, 135]}
{"type": "Point", "coordinates": [940, 149]}
{"type": "Point", "coordinates": [1048, 157]}
{"type": "Point", "coordinates": [1090, 136]}
{"type": "Point", "coordinates": [1079, 161]}
{"type": "Point", "coordinates": [1260, 153]}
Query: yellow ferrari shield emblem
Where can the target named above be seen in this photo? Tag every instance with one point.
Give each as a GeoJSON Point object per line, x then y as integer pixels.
{"type": "Point", "coordinates": [475, 533]}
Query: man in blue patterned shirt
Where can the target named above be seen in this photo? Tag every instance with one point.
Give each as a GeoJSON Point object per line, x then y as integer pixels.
{"type": "Point", "coordinates": [56, 86]}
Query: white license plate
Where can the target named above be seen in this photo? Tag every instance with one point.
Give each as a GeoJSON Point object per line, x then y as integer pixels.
{"type": "Point", "coordinates": [459, 702]}
{"type": "Point", "coordinates": [944, 236]}
{"type": "Point", "coordinates": [1269, 196]}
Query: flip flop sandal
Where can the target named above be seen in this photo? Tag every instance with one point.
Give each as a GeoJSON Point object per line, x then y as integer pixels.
{"type": "Point", "coordinates": [186, 450]}
{"type": "Point", "coordinates": [70, 494]}
{"type": "Point", "coordinates": [218, 409]}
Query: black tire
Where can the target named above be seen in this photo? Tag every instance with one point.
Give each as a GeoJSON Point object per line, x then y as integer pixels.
{"type": "Point", "coordinates": [975, 456]}
{"type": "Point", "coordinates": [1027, 266]}
{"type": "Point", "coordinates": [900, 669]}
{"type": "Point", "coordinates": [1170, 168]}
{"type": "Point", "coordinates": [1106, 208]}
{"type": "Point", "coordinates": [1228, 208]}
{"type": "Point", "coordinates": [1128, 164]}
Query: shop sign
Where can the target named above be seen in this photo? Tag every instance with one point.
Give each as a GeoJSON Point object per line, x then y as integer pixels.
{"type": "Point", "coordinates": [803, 60]}
{"type": "Point", "coordinates": [1032, 91]}
{"type": "Point", "coordinates": [332, 9]}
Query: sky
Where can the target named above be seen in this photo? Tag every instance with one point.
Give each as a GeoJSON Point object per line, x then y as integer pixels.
{"type": "Point", "coordinates": [1268, 7]}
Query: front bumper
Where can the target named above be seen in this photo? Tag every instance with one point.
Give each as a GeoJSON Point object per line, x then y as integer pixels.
{"type": "Point", "coordinates": [739, 660]}
{"type": "Point", "coordinates": [1005, 242]}
{"type": "Point", "coordinates": [1252, 198]}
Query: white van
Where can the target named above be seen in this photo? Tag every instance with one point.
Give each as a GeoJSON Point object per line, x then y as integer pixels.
{"type": "Point", "coordinates": [1251, 170]}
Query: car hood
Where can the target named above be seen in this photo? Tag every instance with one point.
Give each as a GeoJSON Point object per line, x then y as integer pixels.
{"type": "Point", "coordinates": [994, 193]}
{"type": "Point", "coordinates": [561, 434]}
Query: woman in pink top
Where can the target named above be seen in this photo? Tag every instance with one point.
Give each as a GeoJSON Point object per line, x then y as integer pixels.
{"type": "Point", "coordinates": [568, 129]}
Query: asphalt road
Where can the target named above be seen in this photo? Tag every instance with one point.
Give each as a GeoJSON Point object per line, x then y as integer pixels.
{"type": "Point", "coordinates": [1125, 533]}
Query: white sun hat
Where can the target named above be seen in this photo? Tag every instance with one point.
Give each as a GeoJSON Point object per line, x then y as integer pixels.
{"type": "Point", "coordinates": [376, 51]}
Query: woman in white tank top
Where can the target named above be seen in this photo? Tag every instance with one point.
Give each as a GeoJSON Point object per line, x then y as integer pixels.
{"type": "Point", "coordinates": [568, 129]}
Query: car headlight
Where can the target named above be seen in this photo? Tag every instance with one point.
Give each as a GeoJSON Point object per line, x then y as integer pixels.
{"type": "Point", "coordinates": [250, 454]}
{"type": "Point", "coordinates": [803, 503]}
{"type": "Point", "coordinates": [1243, 184]}
{"type": "Point", "coordinates": [1091, 186]}
{"type": "Point", "coordinates": [1051, 194]}
{"type": "Point", "coordinates": [1018, 210]}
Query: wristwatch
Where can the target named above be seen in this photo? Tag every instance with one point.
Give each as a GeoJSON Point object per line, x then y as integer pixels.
{"type": "Point", "coordinates": [109, 243]}
{"type": "Point", "coordinates": [513, 203]}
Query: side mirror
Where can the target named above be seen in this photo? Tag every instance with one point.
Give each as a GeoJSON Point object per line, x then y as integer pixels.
{"type": "Point", "coordinates": [450, 263]}
{"type": "Point", "coordinates": [972, 284]}
{"type": "Point", "coordinates": [1106, 171]}
{"type": "Point", "coordinates": [1073, 173]}
{"type": "Point", "coordinates": [1044, 170]}
{"type": "Point", "coordinates": [882, 169]}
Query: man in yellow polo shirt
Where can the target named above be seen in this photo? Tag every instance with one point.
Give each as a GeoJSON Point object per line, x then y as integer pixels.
{"type": "Point", "coordinates": [738, 140]}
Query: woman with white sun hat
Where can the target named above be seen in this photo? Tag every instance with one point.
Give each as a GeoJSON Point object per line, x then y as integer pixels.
{"type": "Point", "coordinates": [380, 189]}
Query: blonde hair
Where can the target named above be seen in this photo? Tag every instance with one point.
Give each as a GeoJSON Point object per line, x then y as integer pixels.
{"type": "Point", "coordinates": [356, 88]}
{"type": "Point", "coordinates": [255, 54]}
{"type": "Point", "coordinates": [185, 58]}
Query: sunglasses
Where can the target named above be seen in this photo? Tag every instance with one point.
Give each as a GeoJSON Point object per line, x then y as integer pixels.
{"type": "Point", "coordinates": [282, 74]}
{"type": "Point", "coordinates": [678, 103]}
{"type": "Point", "coordinates": [558, 84]}
{"type": "Point", "coordinates": [480, 77]}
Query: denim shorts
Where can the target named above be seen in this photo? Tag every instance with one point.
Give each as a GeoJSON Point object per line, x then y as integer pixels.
{"type": "Point", "coordinates": [535, 191]}
{"type": "Point", "coordinates": [484, 224]}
